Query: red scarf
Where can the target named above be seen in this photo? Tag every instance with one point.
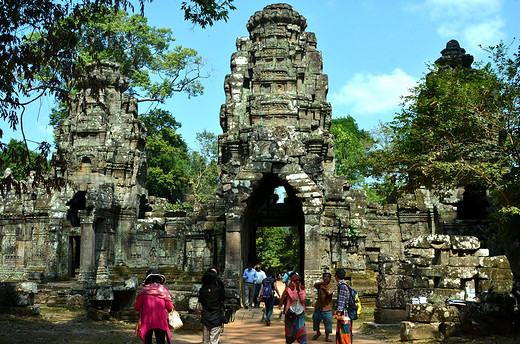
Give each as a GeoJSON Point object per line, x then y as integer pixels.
{"type": "Point", "coordinates": [156, 289]}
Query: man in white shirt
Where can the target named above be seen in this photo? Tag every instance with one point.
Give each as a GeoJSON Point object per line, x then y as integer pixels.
{"type": "Point", "coordinates": [260, 276]}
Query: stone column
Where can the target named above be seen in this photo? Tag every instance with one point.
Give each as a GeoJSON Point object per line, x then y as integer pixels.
{"type": "Point", "coordinates": [87, 265]}
{"type": "Point", "coordinates": [312, 239]}
{"type": "Point", "coordinates": [233, 260]}
{"type": "Point", "coordinates": [233, 264]}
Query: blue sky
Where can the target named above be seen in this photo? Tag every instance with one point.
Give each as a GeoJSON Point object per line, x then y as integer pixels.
{"type": "Point", "coordinates": [373, 52]}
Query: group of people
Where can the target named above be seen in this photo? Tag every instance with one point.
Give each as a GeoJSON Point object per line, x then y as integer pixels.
{"type": "Point", "coordinates": [289, 294]}
{"type": "Point", "coordinates": [154, 303]}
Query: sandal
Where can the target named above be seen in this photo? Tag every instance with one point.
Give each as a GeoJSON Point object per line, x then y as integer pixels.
{"type": "Point", "coordinates": [316, 336]}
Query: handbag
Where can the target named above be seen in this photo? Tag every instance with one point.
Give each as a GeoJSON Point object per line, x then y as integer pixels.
{"type": "Point", "coordinates": [174, 320]}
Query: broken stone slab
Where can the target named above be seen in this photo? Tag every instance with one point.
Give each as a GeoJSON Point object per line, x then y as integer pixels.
{"type": "Point", "coordinates": [464, 243]}
{"type": "Point", "coordinates": [431, 312]}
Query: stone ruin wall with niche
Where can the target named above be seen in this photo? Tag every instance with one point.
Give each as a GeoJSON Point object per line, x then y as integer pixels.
{"type": "Point", "coordinates": [275, 124]}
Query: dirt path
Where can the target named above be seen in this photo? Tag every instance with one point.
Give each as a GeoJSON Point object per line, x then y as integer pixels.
{"type": "Point", "coordinates": [61, 326]}
{"type": "Point", "coordinates": [248, 328]}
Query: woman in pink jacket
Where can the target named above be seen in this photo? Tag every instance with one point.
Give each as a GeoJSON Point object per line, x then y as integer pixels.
{"type": "Point", "coordinates": [294, 299]}
{"type": "Point", "coordinates": [153, 304]}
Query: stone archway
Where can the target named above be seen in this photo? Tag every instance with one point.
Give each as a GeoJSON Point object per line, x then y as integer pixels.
{"type": "Point", "coordinates": [276, 123]}
{"type": "Point", "coordinates": [264, 210]}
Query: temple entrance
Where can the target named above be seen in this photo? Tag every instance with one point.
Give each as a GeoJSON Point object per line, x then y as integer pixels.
{"type": "Point", "coordinates": [274, 218]}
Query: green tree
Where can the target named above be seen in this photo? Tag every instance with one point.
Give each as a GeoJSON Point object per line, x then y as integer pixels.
{"type": "Point", "coordinates": [47, 63]}
{"type": "Point", "coordinates": [19, 168]}
{"type": "Point", "coordinates": [203, 173]}
{"type": "Point", "coordinates": [278, 247]}
{"type": "Point", "coordinates": [167, 155]}
{"type": "Point", "coordinates": [351, 146]}
{"type": "Point", "coordinates": [155, 69]}
{"type": "Point", "coordinates": [459, 128]}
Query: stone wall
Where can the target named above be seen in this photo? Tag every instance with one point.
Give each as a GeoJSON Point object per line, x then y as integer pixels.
{"type": "Point", "coordinates": [437, 267]}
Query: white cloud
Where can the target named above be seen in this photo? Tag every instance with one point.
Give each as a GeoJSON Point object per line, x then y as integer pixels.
{"type": "Point", "coordinates": [367, 94]}
{"type": "Point", "coordinates": [485, 34]}
{"type": "Point", "coordinates": [462, 9]}
{"type": "Point", "coordinates": [472, 22]}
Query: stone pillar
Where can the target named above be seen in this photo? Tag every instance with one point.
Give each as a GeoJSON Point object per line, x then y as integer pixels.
{"type": "Point", "coordinates": [312, 238]}
{"type": "Point", "coordinates": [87, 265]}
{"type": "Point", "coordinates": [233, 266]}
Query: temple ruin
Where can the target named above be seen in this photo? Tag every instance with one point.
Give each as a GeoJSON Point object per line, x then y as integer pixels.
{"type": "Point", "coordinates": [102, 229]}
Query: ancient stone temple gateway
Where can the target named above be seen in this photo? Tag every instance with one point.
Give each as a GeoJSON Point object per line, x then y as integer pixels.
{"type": "Point", "coordinates": [102, 228]}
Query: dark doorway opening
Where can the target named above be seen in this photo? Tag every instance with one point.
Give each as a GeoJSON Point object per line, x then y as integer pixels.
{"type": "Point", "coordinates": [274, 213]}
{"type": "Point", "coordinates": [74, 246]}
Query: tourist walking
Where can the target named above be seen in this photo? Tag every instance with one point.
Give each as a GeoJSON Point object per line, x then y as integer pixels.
{"type": "Point", "coordinates": [260, 276]}
{"type": "Point", "coordinates": [249, 277]}
{"type": "Point", "coordinates": [153, 304]}
{"type": "Point", "coordinates": [323, 307]}
{"type": "Point", "coordinates": [266, 295]}
{"type": "Point", "coordinates": [211, 300]}
{"type": "Point", "coordinates": [279, 287]}
{"type": "Point", "coordinates": [343, 329]}
{"type": "Point", "coordinates": [294, 298]}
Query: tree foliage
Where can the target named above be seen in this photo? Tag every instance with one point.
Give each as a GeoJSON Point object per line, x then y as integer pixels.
{"type": "Point", "coordinates": [460, 127]}
{"type": "Point", "coordinates": [42, 40]}
{"type": "Point", "coordinates": [351, 146]}
{"type": "Point", "coordinates": [203, 173]}
{"type": "Point", "coordinates": [155, 69]}
{"type": "Point", "coordinates": [167, 155]}
{"type": "Point", "coordinates": [278, 247]}
{"type": "Point", "coordinates": [19, 168]}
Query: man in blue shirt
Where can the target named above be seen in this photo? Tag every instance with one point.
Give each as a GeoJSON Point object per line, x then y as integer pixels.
{"type": "Point", "coordinates": [250, 277]}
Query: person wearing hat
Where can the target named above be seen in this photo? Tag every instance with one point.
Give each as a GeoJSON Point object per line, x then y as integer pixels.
{"type": "Point", "coordinates": [153, 304]}
{"type": "Point", "coordinates": [294, 299]}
